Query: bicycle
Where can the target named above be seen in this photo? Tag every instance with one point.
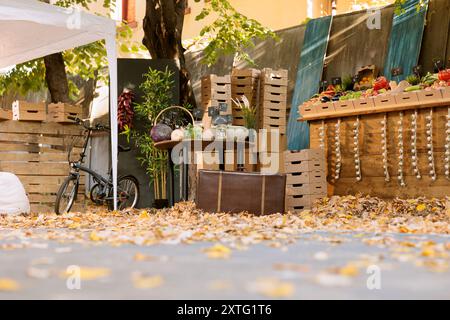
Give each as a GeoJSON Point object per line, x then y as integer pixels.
{"type": "Point", "coordinates": [102, 191]}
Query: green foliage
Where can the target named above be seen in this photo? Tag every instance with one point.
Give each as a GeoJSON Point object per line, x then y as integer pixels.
{"type": "Point", "coordinates": [231, 32]}
{"type": "Point", "coordinates": [399, 6]}
{"type": "Point", "coordinates": [157, 96]}
{"type": "Point", "coordinates": [157, 93]}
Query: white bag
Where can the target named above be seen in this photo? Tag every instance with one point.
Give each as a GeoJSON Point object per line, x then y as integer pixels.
{"type": "Point", "coordinates": [13, 198]}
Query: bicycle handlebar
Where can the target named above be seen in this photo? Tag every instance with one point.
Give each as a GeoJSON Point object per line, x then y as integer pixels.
{"type": "Point", "coordinates": [98, 126]}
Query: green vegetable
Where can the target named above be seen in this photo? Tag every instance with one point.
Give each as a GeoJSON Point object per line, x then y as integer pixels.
{"type": "Point", "coordinates": [413, 88]}
{"type": "Point", "coordinates": [413, 80]}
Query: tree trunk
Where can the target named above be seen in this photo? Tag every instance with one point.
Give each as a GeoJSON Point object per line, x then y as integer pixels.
{"type": "Point", "coordinates": [163, 28]}
{"type": "Point", "coordinates": [56, 78]}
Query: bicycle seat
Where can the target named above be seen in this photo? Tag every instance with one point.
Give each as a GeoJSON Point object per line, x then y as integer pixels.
{"type": "Point", "coordinates": [124, 149]}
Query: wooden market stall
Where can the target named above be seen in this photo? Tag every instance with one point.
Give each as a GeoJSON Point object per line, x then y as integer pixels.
{"type": "Point", "coordinates": [415, 161]}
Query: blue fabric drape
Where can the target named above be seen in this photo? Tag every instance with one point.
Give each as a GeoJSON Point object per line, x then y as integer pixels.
{"type": "Point", "coordinates": [309, 75]}
{"type": "Point", "coordinates": [406, 39]}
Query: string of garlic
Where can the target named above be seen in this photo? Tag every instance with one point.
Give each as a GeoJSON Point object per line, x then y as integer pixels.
{"type": "Point", "coordinates": [447, 146]}
{"type": "Point", "coordinates": [356, 149]}
{"type": "Point", "coordinates": [337, 139]}
{"type": "Point", "coordinates": [400, 151]}
{"type": "Point", "coordinates": [414, 153]}
{"type": "Point", "coordinates": [384, 147]}
{"type": "Point", "coordinates": [430, 146]}
{"type": "Point", "coordinates": [322, 135]}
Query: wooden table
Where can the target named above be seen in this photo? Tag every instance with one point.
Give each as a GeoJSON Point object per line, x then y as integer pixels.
{"type": "Point", "coordinates": [219, 145]}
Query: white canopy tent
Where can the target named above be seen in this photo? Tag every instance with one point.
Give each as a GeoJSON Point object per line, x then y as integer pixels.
{"type": "Point", "coordinates": [30, 29]}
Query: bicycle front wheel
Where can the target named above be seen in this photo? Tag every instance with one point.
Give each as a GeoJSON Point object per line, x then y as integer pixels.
{"type": "Point", "coordinates": [127, 193]}
{"type": "Point", "coordinates": [66, 195]}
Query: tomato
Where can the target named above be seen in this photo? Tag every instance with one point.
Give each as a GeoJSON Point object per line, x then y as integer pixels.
{"type": "Point", "coordinates": [380, 83]}
{"type": "Point", "coordinates": [444, 75]}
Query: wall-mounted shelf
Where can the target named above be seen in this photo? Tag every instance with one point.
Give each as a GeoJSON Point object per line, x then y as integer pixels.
{"type": "Point", "coordinates": [374, 110]}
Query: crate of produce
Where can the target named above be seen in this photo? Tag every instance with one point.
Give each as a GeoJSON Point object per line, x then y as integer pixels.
{"type": "Point", "coordinates": [60, 112]}
{"type": "Point", "coordinates": [344, 105]}
{"type": "Point", "coordinates": [429, 96]}
{"type": "Point", "coordinates": [327, 107]}
{"type": "Point", "coordinates": [308, 109]}
{"type": "Point", "coordinates": [274, 77]}
{"type": "Point", "coordinates": [445, 93]}
{"type": "Point", "coordinates": [5, 114]}
{"type": "Point", "coordinates": [27, 111]}
{"type": "Point", "coordinates": [385, 100]}
{"type": "Point", "coordinates": [364, 103]}
{"type": "Point", "coordinates": [406, 98]}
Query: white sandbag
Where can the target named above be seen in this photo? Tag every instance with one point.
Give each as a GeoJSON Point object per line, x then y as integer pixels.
{"type": "Point", "coordinates": [13, 198]}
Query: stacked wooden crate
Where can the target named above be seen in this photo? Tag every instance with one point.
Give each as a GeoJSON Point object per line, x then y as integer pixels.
{"type": "Point", "coordinates": [37, 153]}
{"type": "Point", "coordinates": [216, 90]}
{"type": "Point", "coordinates": [305, 178]}
{"type": "Point", "coordinates": [244, 82]}
{"type": "Point", "coordinates": [5, 114]}
{"type": "Point", "coordinates": [273, 99]}
{"type": "Point", "coordinates": [27, 111]}
{"type": "Point", "coordinates": [62, 112]}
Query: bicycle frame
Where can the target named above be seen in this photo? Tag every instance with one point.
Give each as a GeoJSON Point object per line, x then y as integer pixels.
{"type": "Point", "coordinates": [77, 166]}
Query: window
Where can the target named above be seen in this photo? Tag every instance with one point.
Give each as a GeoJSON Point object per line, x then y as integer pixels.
{"type": "Point", "coordinates": [125, 10]}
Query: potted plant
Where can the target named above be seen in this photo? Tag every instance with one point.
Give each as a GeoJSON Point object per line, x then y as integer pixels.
{"type": "Point", "coordinates": [157, 96]}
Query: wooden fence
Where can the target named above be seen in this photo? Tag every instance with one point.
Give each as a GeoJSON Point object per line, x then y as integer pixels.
{"type": "Point", "coordinates": [37, 153]}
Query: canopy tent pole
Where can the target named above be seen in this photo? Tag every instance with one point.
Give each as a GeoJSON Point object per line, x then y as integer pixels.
{"type": "Point", "coordinates": [112, 61]}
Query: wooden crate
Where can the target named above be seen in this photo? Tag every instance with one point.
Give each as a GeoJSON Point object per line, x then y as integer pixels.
{"type": "Point", "coordinates": [406, 98]}
{"type": "Point", "coordinates": [211, 79]}
{"type": "Point", "coordinates": [319, 188]}
{"type": "Point", "coordinates": [345, 105]}
{"type": "Point", "coordinates": [427, 96]}
{"type": "Point", "coordinates": [384, 100]}
{"type": "Point", "coordinates": [301, 202]}
{"type": "Point", "coordinates": [271, 162]}
{"type": "Point", "coordinates": [274, 77]}
{"type": "Point", "coordinates": [304, 166]}
{"type": "Point", "coordinates": [37, 153]}
{"type": "Point", "coordinates": [307, 109]}
{"type": "Point", "coordinates": [270, 88]}
{"type": "Point", "coordinates": [364, 103]}
{"type": "Point", "coordinates": [317, 176]}
{"type": "Point", "coordinates": [27, 111]}
{"type": "Point", "coordinates": [5, 114]}
{"type": "Point", "coordinates": [279, 123]}
{"type": "Point", "coordinates": [446, 94]}
{"type": "Point", "coordinates": [307, 154]}
{"type": "Point", "coordinates": [247, 73]}
{"type": "Point", "coordinates": [271, 141]}
{"type": "Point", "coordinates": [60, 112]}
{"type": "Point", "coordinates": [274, 105]}
{"type": "Point", "coordinates": [273, 96]}
{"type": "Point", "coordinates": [327, 107]}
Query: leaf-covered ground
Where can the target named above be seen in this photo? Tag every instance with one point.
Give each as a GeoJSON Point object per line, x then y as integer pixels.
{"type": "Point", "coordinates": [330, 246]}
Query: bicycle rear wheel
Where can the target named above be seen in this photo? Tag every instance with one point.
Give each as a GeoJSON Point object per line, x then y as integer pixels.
{"type": "Point", "coordinates": [66, 196]}
{"type": "Point", "coordinates": [127, 193]}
